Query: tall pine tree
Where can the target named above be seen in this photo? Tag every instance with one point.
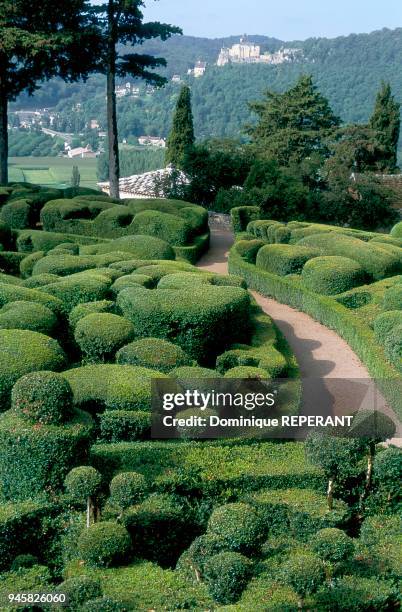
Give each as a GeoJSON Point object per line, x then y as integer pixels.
{"type": "Point", "coordinates": [38, 41]}
{"type": "Point", "coordinates": [386, 121]}
{"type": "Point", "coordinates": [122, 24]}
{"type": "Point", "coordinates": [293, 125]}
{"type": "Point", "coordinates": [181, 137]}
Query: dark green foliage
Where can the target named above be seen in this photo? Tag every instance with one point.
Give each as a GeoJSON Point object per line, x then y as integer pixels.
{"type": "Point", "coordinates": [358, 594]}
{"type": "Point", "coordinates": [27, 264]}
{"type": "Point", "coordinates": [184, 280]}
{"type": "Point", "coordinates": [226, 575]}
{"type": "Point", "coordinates": [379, 544]}
{"type": "Point", "coordinates": [83, 482]}
{"type": "Point", "coordinates": [103, 604]}
{"type": "Point", "coordinates": [332, 275]}
{"type": "Point", "coordinates": [127, 489]}
{"type": "Point", "coordinates": [140, 247]}
{"type": "Point", "coordinates": [40, 280]}
{"type": "Point", "coordinates": [24, 561]}
{"type": "Point", "coordinates": [104, 544]}
{"type": "Point", "coordinates": [27, 315]}
{"type": "Point", "coordinates": [34, 460]}
{"type": "Point", "coordinates": [24, 351]}
{"type": "Point", "coordinates": [10, 262]}
{"type": "Point", "coordinates": [385, 322]}
{"type": "Point", "coordinates": [238, 526]}
{"type": "Point", "coordinates": [386, 122]}
{"type": "Point", "coordinates": [164, 226]}
{"type": "Point", "coordinates": [131, 280]}
{"type": "Point", "coordinates": [203, 322]}
{"type": "Point", "coordinates": [242, 215]}
{"type": "Point", "coordinates": [334, 454]}
{"type": "Point", "coordinates": [17, 214]}
{"type": "Point", "coordinates": [79, 590]}
{"type": "Point", "coordinates": [393, 298]}
{"type": "Point", "coordinates": [83, 310]}
{"type": "Point", "coordinates": [124, 425]}
{"type": "Point", "coordinates": [193, 560]}
{"type": "Point", "coordinates": [284, 259]}
{"type": "Point", "coordinates": [74, 290]}
{"type": "Point", "coordinates": [393, 347]}
{"type": "Point", "coordinates": [304, 572]}
{"type": "Point", "coordinates": [153, 353]}
{"type": "Point", "coordinates": [100, 335]}
{"type": "Point", "coordinates": [12, 293]}
{"type": "Point", "coordinates": [181, 137]}
{"type": "Point", "coordinates": [388, 471]}
{"type": "Point", "coordinates": [332, 545]}
{"type": "Point", "coordinates": [42, 397]}
{"type": "Point", "coordinates": [248, 249]}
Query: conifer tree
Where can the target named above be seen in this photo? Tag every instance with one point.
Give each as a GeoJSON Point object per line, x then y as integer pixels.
{"type": "Point", "coordinates": [292, 125]}
{"type": "Point", "coordinates": [181, 137]}
{"type": "Point", "coordinates": [38, 41]}
{"type": "Point", "coordinates": [386, 122]}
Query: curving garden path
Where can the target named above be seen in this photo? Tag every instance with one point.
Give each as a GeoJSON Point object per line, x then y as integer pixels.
{"type": "Point", "coordinates": [319, 351]}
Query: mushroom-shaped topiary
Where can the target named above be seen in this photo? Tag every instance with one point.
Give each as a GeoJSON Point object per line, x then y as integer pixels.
{"type": "Point", "coordinates": [332, 545]}
{"type": "Point", "coordinates": [226, 575]}
{"type": "Point", "coordinates": [127, 489]}
{"type": "Point", "coordinates": [154, 353]}
{"type": "Point", "coordinates": [80, 589]}
{"type": "Point", "coordinates": [104, 544]}
{"type": "Point", "coordinates": [100, 335]}
{"type": "Point", "coordinates": [304, 573]}
{"type": "Point", "coordinates": [83, 483]}
{"type": "Point", "coordinates": [238, 525]}
{"type": "Point", "coordinates": [42, 397]}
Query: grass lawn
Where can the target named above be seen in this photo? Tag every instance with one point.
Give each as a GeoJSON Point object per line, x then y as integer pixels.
{"type": "Point", "coordinates": [52, 171]}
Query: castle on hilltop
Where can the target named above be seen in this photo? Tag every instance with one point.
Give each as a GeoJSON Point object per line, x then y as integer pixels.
{"type": "Point", "coordinates": [247, 52]}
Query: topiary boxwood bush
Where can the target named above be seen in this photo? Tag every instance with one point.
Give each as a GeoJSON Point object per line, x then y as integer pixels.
{"type": "Point", "coordinates": [358, 594]}
{"type": "Point", "coordinates": [184, 280]}
{"type": "Point", "coordinates": [332, 545]}
{"type": "Point", "coordinates": [385, 322]}
{"type": "Point", "coordinates": [42, 397]}
{"type": "Point", "coordinates": [79, 289]}
{"type": "Point", "coordinates": [283, 259]}
{"type": "Point", "coordinates": [203, 322]}
{"type": "Point", "coordinates": [241, 216]}
{"type": "Point", "coordinates": [115, 387]}
{"type": "Point", "coordinates": [304, 572]}
{"type": "Point", "coordinates": [24, 351]}
{"type": "Point", "coordinates": [396, 231]}
{"type": "Point", "coordinates": [238, 525]}
{"type": "Point", "coordinates": [332, 274]}
{"type": "Point", "coordinates": [27, 315]}
{"type": "Point", "coordinates": [80, 589]}
{"type": "Point", "coordinates": [103, 604]}
{"type": "Point", "coordinates": [192, 561]}
{"type": "Point", "coordinates": [83, 482]}
{"type": "Point", "coordinates": [165, 226]}
{"type": "Point", "coordinates": [14, 293]}
{"type": "Point", "coordinates": [127, 489]}
{"type": "Point", "coordinates": [104, 544]}
{"type": "Point", "coordinates": [17, 214]}
{"type": "Point", "coordinates": [393, 347]}
{"type": "Point", "coordinates": [100, 335]}
{"type": "Point", "coordinates": [27, 264]}
{"type": "Point", "coordinates": [227, 575]}
{"type": "Point", "coordinates": [153, 353]}
{"type": "Point", "coordinates": [248, 249]}
{"type": "Point", "coordinates": [124, 425]}
{"type": "Point", "coordinates": [139, 246]}
{"type": "Point", "coordinates": [83, 310]}
{"type": "Point", "coordinates": [393, 298]}
{"type": "Point", "coordinates": [131, 280]}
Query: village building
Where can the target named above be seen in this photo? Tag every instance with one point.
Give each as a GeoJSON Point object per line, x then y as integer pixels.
{"type": "Point", "coordinates": [198, 70]}
{"type": "Point", "coordinates": [247, 52]}
{"type": "Point", "coordinates": [80, 152]}
{"type": "Point", "coordinates": [152, 141]}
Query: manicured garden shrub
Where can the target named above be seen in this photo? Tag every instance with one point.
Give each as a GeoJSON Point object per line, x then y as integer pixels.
{"type": "Point", "coordinates": [87, 308]}
{"type": "Point", "coordinates": [282, 235]}
{"type": "Point", "coordinates": [131, 280]}
{"type": "Point", "coordinates": [157, 271]}
{"type": "Point", "coordinates": [162, 225]}
{"type": "Point", "coordinates": [140, 247]}
{"type": "Point", "coordinates": [42, 397]}
{"type": "Point", "coordinates": [387, 239]}
{"type": "Point", "coordinates": [153, 353]}
{"type": "Point", "coordinates": [74, 290]}
{"type": "Point", "coordinates": [304, 572]}
{"type": "Point", "coordinates": [24, 351]}
{"type": "Point", "coordinates": [36, 282]}
{"type": "Point", "coordinates": [72, 216]}
{"type": "Point", "coordinates": [238, 525]}
{"type": "Point", "coordinates": [241, 372]}
{"type": "Point", "coordinates": [29, 241]}
{"type": "Point", "coordinates": [100, 335]}
{"type": "Point", "coordinates": [10, 262]}
{"type": "Point", "coordinates": [248, 249]}
{"type": "Point", "coordinates": [124, 425]}
{"type": "Point", "coordinates": [229, 280]}
{"type": "Point", "coordinates": [13, 293]}
{"type": "Point", "coordinates": [374, 260]}
{"type": "Point", "coordinates": [127, 489]}
{"type": "Point", "coordinates": [27, 264]}
{"type": "Point", "coordinates": [242, 215]}
{"type": "Point", "coordinates": [27, 315]}
{"type": "Point", "coordinates": [24, 561]}
{"type": "Point", "coordinates": [17, 214]}
{"type": "Point", "coordinates": [185, 373]}
{"type": "Point", "coordinates": [393, 347]}
{"type": "Point", "coordinates": [35, 460]}
{"type": "Point", "coordinates": [115, 387]}
{"type": "Point", "coordinates": [103, 604]}
{"type": "Point", "coordinates": [332, 274]}
{"type": "Point", "coordinates": [388, 471]}
{"type": "Point", "coordinates": [385, 322]}
{"type": "Point", "coordinates": [183, 280]}
{"type": "Point", "coordinates": [283, 259]}
{"type": "Point", "coordinates": [393, 298]}
{"type": "Point", "coordinates": [332, 545]}
{"type": "Point", "coordinates": [226, 575]}
{"type": "Point", "coordinates": [379, 543]}
{"type": "Point", "coordinates": [192, 561]}
{"type": "Point", "coordinates": [104, 544]}
{"type": "Point", "coordinates": [80, 589]}
{"type": "Point", "coordinates": [358, 594]}
{"type": "Point", "coordinates": [396, 231]}
{"type": "Point", "coordinates": [203, 322]}
{"type": "Point", "coordinates": [160, 529]}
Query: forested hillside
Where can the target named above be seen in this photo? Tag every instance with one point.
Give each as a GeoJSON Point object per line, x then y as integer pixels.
{"type": "Point", "coordinates": [348, 70]}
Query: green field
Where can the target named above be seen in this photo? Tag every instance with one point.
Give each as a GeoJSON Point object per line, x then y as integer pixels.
{"type": "Point", "coordinates": [52, 171]}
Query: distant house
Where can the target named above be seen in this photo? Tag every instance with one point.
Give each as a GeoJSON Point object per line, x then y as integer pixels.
{"type": "Point", "coordinates": [152, 141]}
{"type": "Point", "coordinates": [176, 78]}
{"type": "Point", "coordinates": [94, 124]}
{"type": "Point", "coordinates": [198, 70]}
{"type": "Point", "coordinates": [82, 152]}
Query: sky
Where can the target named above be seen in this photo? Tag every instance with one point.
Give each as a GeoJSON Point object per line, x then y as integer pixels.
{"type": "Point", "coordinates": [286, 20]}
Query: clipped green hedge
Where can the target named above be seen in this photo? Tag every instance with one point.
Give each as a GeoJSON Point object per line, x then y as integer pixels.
{"type": "Point", "coordinates": [104, 544]}
{"type": "Point", "coordinates": [227, 574]}
{"type": "Point", "coordinates": [10, 262]}
{"type": "Point", "coordinates": [100, 335]}
{"type": "Point", "coordinates": [283, 259]}
{"type": "Point", "coordinates": [242, 215]}
{"type": "Point", "coordinates": [203, 322]}
{"type": "Point", "coordinates": [330, 275]}
{"type": "Point", "coordinates": [385, 323]}
{"type": "Point", "coordinates": [28, 315]}
{"type": "Point", "coordinates": [17, 214]}
{"type": "Point", "coordinates": [29, 241]}
{"type": "Point", "coordinates": [84, 309]}
{"type": "Point", "coordinates": [393, 298]}
{"type": "Point", "coordinates": [164, 226]}
{"type": "Point", "coordinates": [396, 231]}
{"type": "Point", "coordinates": [34, 460]}
{"type": "Point", "coordinates": [238, 526]}
{"type": "Point", "coordinates": [79, 289]}
{"type": "Point", "coordinates": [124, 425]}
{"type": "Point", "coordinates": [42, 397]}
{"type": "Point", "coordinates": [248, 249]}
{"type": "Point", "coordinates": [153, 353]}
{"type": "Point", "coordinates": [140, 247]}
{"type": "Point", "coordinates": [12, 293]}
{"type": "Point", "coordinates": [184, 280]}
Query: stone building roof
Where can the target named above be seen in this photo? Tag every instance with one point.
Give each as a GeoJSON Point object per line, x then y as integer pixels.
{"type": "Point", "coordinates": [147, 185]}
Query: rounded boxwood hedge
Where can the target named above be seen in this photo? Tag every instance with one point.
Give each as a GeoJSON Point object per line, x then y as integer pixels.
{"type": "Point", "coordinates": [204, 321]}
{"type": "Point", "coordinates": [80, 589]}
{"type": "Point", "coordinates": [396, 231]}
{"type": "Point", "coordinates": [393, 298]}
{"type": "Point", "coordinates": [184, 280]}
{"type": "Point", "coordinates": [82, 310]}
{"type": "Point", "coordinates": [157, 270]}
{"type": "Point", "coordinates": [13, 293]}
{"type": "Point", "coordinates": [42, 397]}
{"type": "Point", "coordinates": [283, 259]}
{"type": "Point", "coordinates": [124, 425]}
{"type": "Point", "coordinates": [165, 226]}
{"type": "Point", "coordinates": [104, 544]}
{"type": "Point", "coordinates": [358, 594]}
{"type": "Point", "coordinates": [103, 604]}
{"type": "Point", "coordinates": [139, 246]}
{"type": "Point", "coordinates": [153, 353]}
{"type": "Point", "coordinates": [131, 280]}
{"type": "Point", "coordinates": [304, 572]}
{"type": "Point", "coordinates": [35, 282]}
{"type": "Point", "coordinates": [238, 525]}
{"type": "Point", "coordinates": [24, 351]}
{"type": "Point", "coordinates": [192, 561]}
{"type": "Point", "coordinates": [35, 459]}
{"type": "Point", "coordinates": [83, 482]}
{"type": "Point", "coordinates": [27, 315]}
{"type": "Point", "coordinates": [332, 545]}
{"type": "Point", "coordinates": [330, 275]}
{"type": "Point", "coordinates": [127, 489]}
{"type": "Point", "coordinates": [28, 263]}
{"type": "Point", "coordinates": [17, 214]}
{"type": "Point", "coordinates": [115, 387]}
{"type": "Point", "coordinates": [227, 575]}
{"type": "Point", "coordinates": [100, 335]}
{"type": "Point", "coordinates": [248, 249]}
{"type": "Point", "coordinates": [74, 290]}
{"type": "Point", "coordinates": [385, 322]}
{"type": "Point", "coordinates": [393, 347]}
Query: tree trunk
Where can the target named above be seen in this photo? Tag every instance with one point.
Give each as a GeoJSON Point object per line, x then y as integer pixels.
{"type": "Point", "coordinates": [114, 166]}
{"type": "Point", "coordinates": [3, 136]}
{"type": "Point", "coordinates": [370, 461]}
{"type": "Point", "coordinates": [330, 494]}
{"type": "Point", "coordinates": [88, 512]}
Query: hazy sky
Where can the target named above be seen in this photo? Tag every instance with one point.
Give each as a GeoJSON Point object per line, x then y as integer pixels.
{"type": "Point", "coordinates": [287, 20]}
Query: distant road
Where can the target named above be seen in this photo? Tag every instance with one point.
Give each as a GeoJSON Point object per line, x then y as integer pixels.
{"type": "Point", "coordinates": [66, 137]}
